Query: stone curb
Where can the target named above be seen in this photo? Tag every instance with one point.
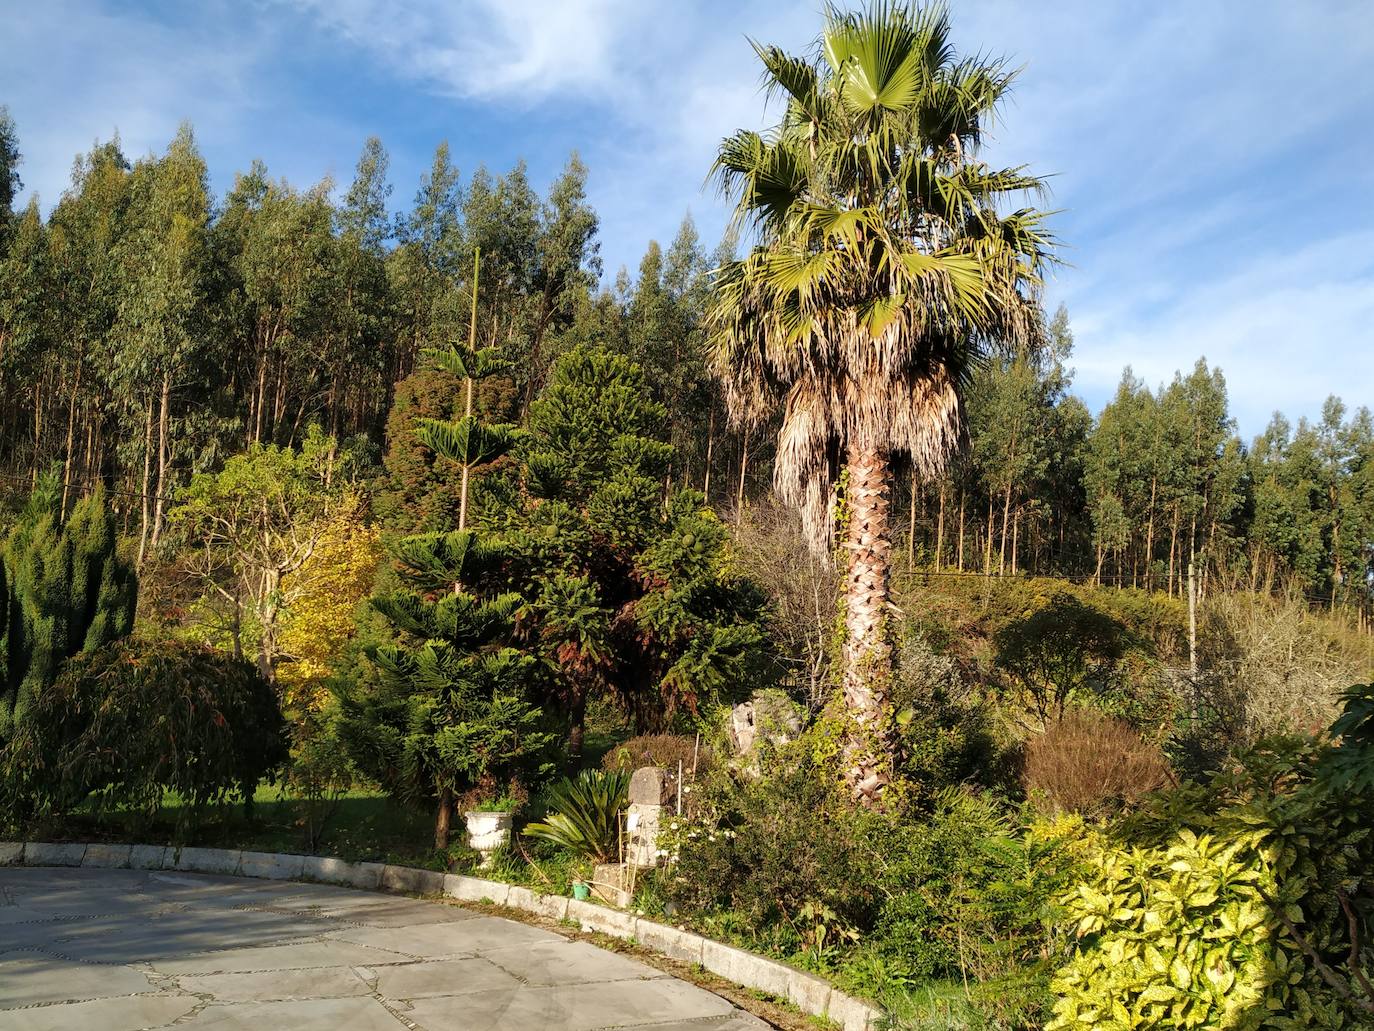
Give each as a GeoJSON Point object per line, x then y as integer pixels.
{"type": "Point", "coordinates": [810, 994]}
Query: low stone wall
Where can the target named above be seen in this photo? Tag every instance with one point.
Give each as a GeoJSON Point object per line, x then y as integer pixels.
{"type": "Point", "coordinates": [807, 992]}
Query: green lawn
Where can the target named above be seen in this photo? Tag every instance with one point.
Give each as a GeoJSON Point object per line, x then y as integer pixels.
{"type": "Point", "coordinates": [365, 825]}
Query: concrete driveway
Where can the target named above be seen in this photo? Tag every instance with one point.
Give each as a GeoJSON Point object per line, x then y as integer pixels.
{"type": "Point", "coordinates": [118, 950]}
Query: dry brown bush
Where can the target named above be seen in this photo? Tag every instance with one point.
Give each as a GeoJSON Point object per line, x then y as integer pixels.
{"type": "Point", "coordinates": [1092, 764]}
{"type": "Point", "coordinates": [1271, 664]}
{"type": "Point", "coordinates": [664, 750]}
{"type": "Point", "coordinates": [772, 551]}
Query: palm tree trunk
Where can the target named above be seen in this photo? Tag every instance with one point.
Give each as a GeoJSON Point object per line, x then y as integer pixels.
{"type": "Point", "coordinates": [867, 653]}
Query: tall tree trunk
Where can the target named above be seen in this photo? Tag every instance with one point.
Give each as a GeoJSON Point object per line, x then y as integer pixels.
{"type": "Point", "coordinates": [1173, 547]}
{"type": "Point", "coordinates": [866, 752]}
{"type": "Point", "coordinates": [940, 530]}
{"type": "Point", "coordinates": [1002, 547]}
{"type": "Point", "coordinates": [463, 483]}
{"type": "Point", "coordinates": [960, 561]}
{"type": "Point", "coordinates": [37, 429]}
{"type": "Point", "coordinates": [710, 444]}
{"type": "Point", "coordinates": [443, 815]}
{"type": "Point", "coordinates": [743, 468]}
{"type": "Point", "coordinates": [987, 539]}
{"type": "Point", "coordinates": [467, 402]}
{"type": "Point", "coordinates": [1150, 537]}
{"type": "Point", "coordinates": [147, 478]}
{"type": "Point", "coordinates": [1015, 537]}
{"type": "Point", "coordinates": [71, 428]}
{"type": "Point", "coordinates": [260, 395]}
{"type": "Point", "coordinates": [163, 447]}
{"type": "Point", "coordinates": [911, 523]}
{"type": "Point", "coordinates": [577, 722]}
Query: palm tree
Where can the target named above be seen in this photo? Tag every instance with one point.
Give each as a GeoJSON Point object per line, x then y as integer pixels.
{"type": "Point", "coordinates": [887, 262]}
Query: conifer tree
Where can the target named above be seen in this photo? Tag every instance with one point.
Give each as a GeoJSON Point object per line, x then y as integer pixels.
{"type": "Point", "coordinates": [630, 594]}
{"type": "Point", "coordinates": [467, 441]}
{"type": "Point", "coordinates": [65, 591]}
{"type": "Point", "coordinates": [448, 710]}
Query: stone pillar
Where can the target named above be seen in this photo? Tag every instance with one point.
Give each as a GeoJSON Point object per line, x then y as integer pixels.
{"type": "Point", "coordinates": [653, 794]}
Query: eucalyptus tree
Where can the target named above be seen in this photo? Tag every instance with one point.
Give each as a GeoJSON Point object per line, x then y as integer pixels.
{"type": "Point", "coordinates": [353, 351]}
{"type": "Point", "coordinates": [567, 264]}
{"type": "Point", "coordinates": [25, 330]}
{"type": "Point", "coordinates": [425, 267]}
{"type": "Point", "coordinates": [277, 244]}
{"type": "Point", "coordinates": [84, 283]}
{"type": "Point", "coordinates": [163, 304]}
{"type": "Point", "coordinates": [10, 183]}
{"type": "Point", "coordinates": [884, 267]}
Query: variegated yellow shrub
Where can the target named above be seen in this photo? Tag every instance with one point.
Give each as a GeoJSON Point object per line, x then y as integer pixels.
{"type": "Point", "coordinates": [1226, 908]}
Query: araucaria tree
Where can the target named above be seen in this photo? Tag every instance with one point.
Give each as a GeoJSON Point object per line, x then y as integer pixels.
{"type": "Point", "coordinates": [630, 593]}
{"type": "Point", "coordinates": [887, 262]}
{"type": "Point", "coordinates": [447, 711]}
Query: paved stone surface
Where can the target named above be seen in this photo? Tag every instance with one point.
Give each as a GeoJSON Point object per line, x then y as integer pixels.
{"type": "Point", "coordinates": [129, 949]}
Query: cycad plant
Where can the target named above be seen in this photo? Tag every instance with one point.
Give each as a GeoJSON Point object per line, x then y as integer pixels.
{"type": "Point", "coordinates": [584, 814]}
{"type": "Point", "coordinates": [887, 262]}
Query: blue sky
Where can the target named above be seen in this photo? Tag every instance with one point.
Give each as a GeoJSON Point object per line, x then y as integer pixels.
{"type": "Point", "coordinates": [1214, 161]}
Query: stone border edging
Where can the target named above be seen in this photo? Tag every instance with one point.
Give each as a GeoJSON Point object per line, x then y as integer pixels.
{"type": "Point", "coordinates": [811, 994]}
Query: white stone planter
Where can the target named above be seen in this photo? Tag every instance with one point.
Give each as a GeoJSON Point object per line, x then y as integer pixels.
{"type": "Point", "coordinates": [488, 832]}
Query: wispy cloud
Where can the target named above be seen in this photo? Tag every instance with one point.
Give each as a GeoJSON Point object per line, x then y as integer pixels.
{"type": "Point", "coordinates": [1287, 327]}
{"type": "Point", "coordinates": [517, 53]}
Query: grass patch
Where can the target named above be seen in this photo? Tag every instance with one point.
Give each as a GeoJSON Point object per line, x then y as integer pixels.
{"type": "Point", "coordinates": [365, 826]}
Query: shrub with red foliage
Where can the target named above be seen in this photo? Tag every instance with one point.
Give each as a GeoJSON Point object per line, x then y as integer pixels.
{"type": "Point", "coordinates": [1092, 764]}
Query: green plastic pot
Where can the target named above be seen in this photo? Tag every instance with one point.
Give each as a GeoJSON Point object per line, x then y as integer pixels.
{"type": "Point", "coordinates": [581, 892]}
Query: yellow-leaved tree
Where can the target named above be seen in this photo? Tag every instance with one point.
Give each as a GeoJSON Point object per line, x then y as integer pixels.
{"type": "Point", "coordinates": [327, 590]}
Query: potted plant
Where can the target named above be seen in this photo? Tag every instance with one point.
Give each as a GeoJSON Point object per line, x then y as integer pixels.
{"type": "Point", "coordinates": [489, 822]}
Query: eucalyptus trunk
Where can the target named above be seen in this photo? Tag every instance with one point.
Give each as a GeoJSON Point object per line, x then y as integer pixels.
{"type": "Point", "coordinates": [867, 652]}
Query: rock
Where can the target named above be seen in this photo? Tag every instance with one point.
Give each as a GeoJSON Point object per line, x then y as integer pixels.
{"type": "Point", "coordinates": [769, 719]}
{"type": "Point", "coordinates": [611, 884]}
